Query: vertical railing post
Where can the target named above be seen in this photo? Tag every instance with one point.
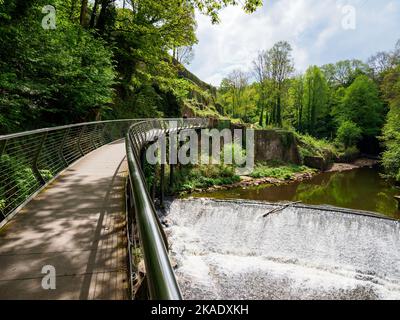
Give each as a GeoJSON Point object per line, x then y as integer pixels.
{"type": "Point", "coordinates": [61, 149]}
{"type": "Point", "coordinates": [79, 141]}
{"type": "Point", "coordinates": [93, 136]}
{"type": "Point", "coordinates": [162, 187]}
{"type": "Point", "coordinates": [35, 168]}
{"type": "Point", "coordinates": [171, 175]}
{"type": "Point", "coordinates": [3, 147]}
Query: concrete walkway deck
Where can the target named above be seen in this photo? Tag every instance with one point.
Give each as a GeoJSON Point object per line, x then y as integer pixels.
{"type": "Point", "coordinates": [77, 225]}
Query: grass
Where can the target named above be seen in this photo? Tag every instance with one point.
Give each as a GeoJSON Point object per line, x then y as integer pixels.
{"type": "Point", "coordinates": [189, 178]}
{"type": "Point", "coordinates": [282, 172]}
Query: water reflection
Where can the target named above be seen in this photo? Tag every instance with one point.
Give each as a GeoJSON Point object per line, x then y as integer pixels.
{"type": "Point", "coordinates": [361, 189]}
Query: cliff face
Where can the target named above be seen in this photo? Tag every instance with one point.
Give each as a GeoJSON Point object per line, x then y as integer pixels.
{"type": "Point", "coordinates": [201, 100]}
{"type": "Point", "coordinates": [185, 73]}
{"type": "Point", "coordinates": [276, 145]}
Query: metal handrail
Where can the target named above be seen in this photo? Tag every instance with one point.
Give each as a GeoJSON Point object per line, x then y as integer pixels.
{"type": "Point", "coordinates": [161, 279]}
{"type": "Point", "coordinates": [30, 160]}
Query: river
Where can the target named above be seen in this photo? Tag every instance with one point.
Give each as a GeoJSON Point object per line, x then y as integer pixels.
{"type": "Point", "coordinates": [229, 250]}
{"type": "Point", "coordinates": [359, 189]}
{"type": "Point", "coordinates": [238, 249]}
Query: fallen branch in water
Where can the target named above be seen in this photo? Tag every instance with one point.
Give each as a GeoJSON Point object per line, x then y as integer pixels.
{"type": "Point", "coordinates": [281, 208]}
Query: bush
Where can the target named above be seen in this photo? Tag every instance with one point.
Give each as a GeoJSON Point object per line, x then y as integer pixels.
{"type": "Point", "coordinates": [349, 134]}
{"type": "Point", "coordinates": [192, 177]}
{"type": "Point", "coordinates": [312, 147]}
{"type": "Point", "coordinates": [50, 77]}
{"type": "Point", "coordinates": [284, 172]}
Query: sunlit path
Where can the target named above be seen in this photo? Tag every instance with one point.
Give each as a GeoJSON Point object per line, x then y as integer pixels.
{"type": "Point", "coordinates": [77, 225]}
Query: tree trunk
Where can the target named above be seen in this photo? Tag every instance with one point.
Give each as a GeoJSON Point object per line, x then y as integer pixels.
{"type": "Point", "coordinates": [94, 13]}
{"type": "Point", "coordinates": [84, 7]}
{"type": "Point", "coordinates": [279, 111]}
{"type": "Point", "coordinates": [300, 118]}
{"type": "Point", "coordinates": [260, 122]}
{"type": "Point", "coordinates": [101, 22]}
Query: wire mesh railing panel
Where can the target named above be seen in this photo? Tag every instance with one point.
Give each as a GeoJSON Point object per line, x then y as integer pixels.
{"type": "Point", "coordinates": [51, 161]}
{"type": "Point", "coordinates": [71, 149]}
{"type": "Point", "coordinates": [30, 160]}
{"type": "Point", "coordinates": [86, 140]}
{"type": "Point", "coordinates": [18, 175]}
{"type": "Point", "coordinates": [161, 281]}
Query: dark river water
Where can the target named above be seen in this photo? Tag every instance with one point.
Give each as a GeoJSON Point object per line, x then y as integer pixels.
{"type": "Point", "coordinates": [360, 189]}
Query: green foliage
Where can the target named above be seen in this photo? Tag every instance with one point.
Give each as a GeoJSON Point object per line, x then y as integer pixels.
{"type": "Point", "coordinates": [314, 100]}
{"type": "Point", "coordinates": [21, 182]}
{"type": "Point", "coordinates": [101, 61]}
{"type": "Point", "coordinates": [361, 105]}
{"type": "Point", "coordinates": [189, 178]}
{"type": "Point", "coordinates": [237, 152]}
{"type": "Point", "coordinates": [212, 7]}
{"type": "Point", "coordinates": [349, 134]}
{"type": "Point", "coordinates": [283, 172]}
{"type": "Point", "coordinates": [391, 131]}
{"type": "Point", "coordinates": [310, 146]}
{"type": "Point", "coordinates": [343, 73]}
{"type": "Point", "coordinates": [50, 77]}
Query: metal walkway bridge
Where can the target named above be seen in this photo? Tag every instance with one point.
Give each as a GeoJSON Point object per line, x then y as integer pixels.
{"type": "Point", "coordinates": [65, 204]}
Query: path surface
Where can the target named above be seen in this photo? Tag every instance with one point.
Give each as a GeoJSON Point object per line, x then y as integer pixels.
{"type": "Point", "coordinates": [76, 225]}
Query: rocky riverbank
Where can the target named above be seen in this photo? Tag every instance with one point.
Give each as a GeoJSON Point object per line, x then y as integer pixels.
{"type": "Point", "coordinates": [359, 163]}
{"type": "Point", "coordinates": [247, 181]}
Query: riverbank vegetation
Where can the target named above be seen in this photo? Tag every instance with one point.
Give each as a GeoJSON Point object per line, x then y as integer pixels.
{"type": "Point", "coordinates": [280, 171]}
{"type": "Point", "coordinates": [192, 177]}
{"type": "Point", "coordinates": [71, 61]}
{"type": "Point", "coordinates": [108, 59]}
{"type": "Point", "coordinates": [343, 109]}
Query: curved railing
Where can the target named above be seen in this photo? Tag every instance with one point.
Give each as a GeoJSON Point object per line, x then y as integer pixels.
{"type": "Point", "coordinates": [30, 160]}
{"type": "Point", "coordinates": [161, 279]}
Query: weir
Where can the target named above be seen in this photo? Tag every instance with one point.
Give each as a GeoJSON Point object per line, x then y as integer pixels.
{"type": "Point", "coordinates": [228, 250]}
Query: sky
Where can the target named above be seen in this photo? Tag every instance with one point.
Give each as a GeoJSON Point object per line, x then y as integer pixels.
{"type": "Point", "coordinates": [319, 31]}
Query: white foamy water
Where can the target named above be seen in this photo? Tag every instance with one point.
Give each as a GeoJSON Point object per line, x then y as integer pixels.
{"type": "Point", "coordinates": [228, 250]}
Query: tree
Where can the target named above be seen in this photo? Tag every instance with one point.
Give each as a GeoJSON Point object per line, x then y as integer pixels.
{"type": "Point", "coordinates": [50, 77]}
{"type": "Point", "coordinates": [212, 7]}
{"type": "Point", "coordinates": [297, 94]}
{"type": "Point", "coordinates": [361, 105]}
{"type": "Point", "coordinates": [391, 130]}
{"type": "Point", "coordinates": [261, 73]}
{"type": "Point", "coordinates": [343, 73]}
{"type": "Point", "coordinates": [280, 65]}
{"type": "Point", "coordinates": [380, 63]}
{"type": "Point", "coordinates": [314, 99]}
{"type": "Point", "coordinates": [237, 81]}
{"type": "Point", "coordinates": [84, 8]}
{"type": "Point", "coordinates": [184, 55]}
{"type": "Point", "coordinates": [349, 134]}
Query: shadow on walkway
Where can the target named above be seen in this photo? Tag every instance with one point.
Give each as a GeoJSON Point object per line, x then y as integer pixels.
{"type": "Point", "coordinates": [77, 225]}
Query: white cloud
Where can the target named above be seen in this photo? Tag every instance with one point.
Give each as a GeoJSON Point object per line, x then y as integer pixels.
{"type": "Point", "coordinates": [312, 27]}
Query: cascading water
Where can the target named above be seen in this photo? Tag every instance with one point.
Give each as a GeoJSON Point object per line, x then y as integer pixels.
{"type": "Point", "coordinates": [228, 250]}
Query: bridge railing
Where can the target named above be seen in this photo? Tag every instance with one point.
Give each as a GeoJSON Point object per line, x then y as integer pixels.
{"type": "Point", "coordinates": [30, 160]}
{"type": "Point", "coordinates": [160, 276]}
